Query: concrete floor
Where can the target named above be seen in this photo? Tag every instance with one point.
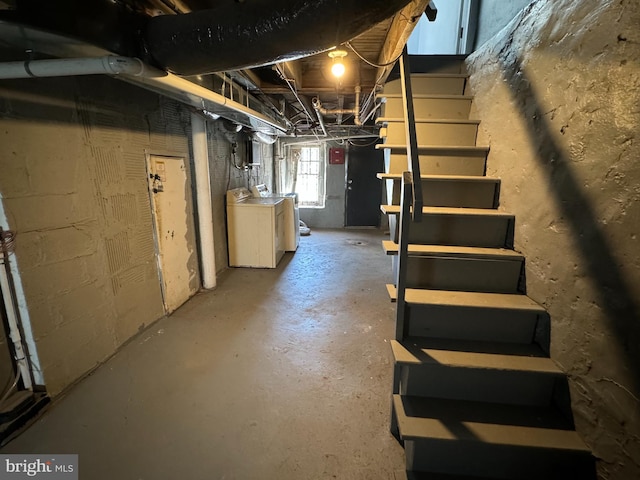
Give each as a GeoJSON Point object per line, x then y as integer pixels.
{"type": "Point", "coordinates": [276, 374]}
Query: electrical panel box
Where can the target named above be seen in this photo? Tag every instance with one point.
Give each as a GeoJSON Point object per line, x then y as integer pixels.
{"type": "Point", "coordinates": [336, 156]}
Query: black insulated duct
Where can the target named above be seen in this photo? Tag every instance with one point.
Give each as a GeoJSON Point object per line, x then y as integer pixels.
{"type": "Point", "coordinates": [236, 35]}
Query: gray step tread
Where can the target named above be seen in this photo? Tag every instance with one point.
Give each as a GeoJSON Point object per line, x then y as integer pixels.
{"type": "Point", "coordinates": [427, 95]}
{"type": "Point", "coordinates": [392, 291]}
{"type": "Point", "coordinates": [450, 298]}
{"type": "Point", "coordinates": [487, 212]}
{"type": "Point", "coordinates": [445, 419]}
{"type": "Point", "coordinates": [432, 149]}
{"type": "Point", "coordinates": [429, 120]}
{"type": "Point", "coordinates": [443, 178]}
{"type": "Point", "coordinates": [391, 248]}
{"type": "Point", "coordinates": [478, 346]}
{"type": "Point", "coordinates": [418, 353]}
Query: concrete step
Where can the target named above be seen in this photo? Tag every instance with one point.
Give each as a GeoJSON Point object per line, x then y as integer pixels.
{"type": "Point", "coordinates": [437, 159]}
{"type": "Point", "coordinates": [489, 440]}
{"type": "Point", "coordinates": [431, 131]}
{"type": "Point", "coordinates": [450, 190]}
{"type": "Point", "coordinates": [473, 227]}
{"type": "Point", "coordinates": [470, 269]}
{"type": "Point", "coordinates": [441, 369]}
{"type": "Point", "coordinates": [473, 316]}
{"type": "Point", "coordinates": [430, 83]}
{"type": "Point", "coordinates": [428, 106]}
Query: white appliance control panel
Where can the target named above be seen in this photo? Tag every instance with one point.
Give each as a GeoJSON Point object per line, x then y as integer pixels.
{"type": "Point", "coordinates": [238, 195]}
{"type": "Point", "coordinates": [260, 190]}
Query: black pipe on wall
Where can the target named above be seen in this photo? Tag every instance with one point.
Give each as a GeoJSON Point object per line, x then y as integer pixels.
{"type": "Point", "coordinates": [250, 33]}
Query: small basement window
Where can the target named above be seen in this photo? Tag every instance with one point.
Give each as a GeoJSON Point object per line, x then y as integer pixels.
{"type": "Point", "coordinates": [310, 179]}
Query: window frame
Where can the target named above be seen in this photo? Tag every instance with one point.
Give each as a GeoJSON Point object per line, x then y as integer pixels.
{"type": "Point", "coordinates": [321, 176]}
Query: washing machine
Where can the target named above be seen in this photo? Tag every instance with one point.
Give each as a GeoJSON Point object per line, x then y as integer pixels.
{"type": "Point", "coordinates": [291, 215]}
{"type": "Point", "coordinates": [255, 229]}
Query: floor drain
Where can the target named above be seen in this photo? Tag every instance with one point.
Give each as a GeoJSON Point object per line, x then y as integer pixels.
{"type": "Point", "coordinates": [357, 243]}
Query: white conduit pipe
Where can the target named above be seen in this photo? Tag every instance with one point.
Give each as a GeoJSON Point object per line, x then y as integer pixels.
{"type": "Point", "coordinates": [132, 70]}
{"type": "Point", "coordinates": [12, 320]}
{"type": "Point", "coordinates": [110, 65]}
{"type": "Point", "coordinates": [203, 196]}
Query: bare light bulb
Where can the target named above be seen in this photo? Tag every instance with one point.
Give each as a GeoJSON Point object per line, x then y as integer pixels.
{"type": "Point", "coordinates": [337, 69]}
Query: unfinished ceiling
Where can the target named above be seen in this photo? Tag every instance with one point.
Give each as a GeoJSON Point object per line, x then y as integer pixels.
{"type": "Point", "coordinates": [272, 54]}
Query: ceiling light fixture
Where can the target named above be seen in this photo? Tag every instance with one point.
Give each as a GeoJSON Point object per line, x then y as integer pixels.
{"type": "Point", "coordinates": [338, 66]}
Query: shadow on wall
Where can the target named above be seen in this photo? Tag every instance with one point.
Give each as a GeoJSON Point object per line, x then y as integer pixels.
{"type": "Point", "coordinates": [615, 295]}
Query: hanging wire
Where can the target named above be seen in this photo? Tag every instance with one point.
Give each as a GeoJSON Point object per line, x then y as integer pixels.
{"type": "Point", "coordinates": [382, 65]}
{"type": "Point", "coordinates": [7, 241]}
{"type": "Point", "coordinates": [371, 96]}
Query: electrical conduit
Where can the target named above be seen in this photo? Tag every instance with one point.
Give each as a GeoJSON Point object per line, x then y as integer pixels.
{"type": "Point", "coordinates": [12, 321]}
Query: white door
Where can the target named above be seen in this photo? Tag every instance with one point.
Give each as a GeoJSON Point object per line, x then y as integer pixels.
{"type": "Point", "coordinates": [174, 228]}
{"type": "Point", "coordinates": [450, 34]}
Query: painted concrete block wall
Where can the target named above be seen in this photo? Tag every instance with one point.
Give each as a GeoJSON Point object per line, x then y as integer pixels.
{"type": "Point", "coordinates": [74, 183]}
{"type": "Point", "coordinates": [84, 245]}
{"type": "Point", "coordinates": [558, 93]}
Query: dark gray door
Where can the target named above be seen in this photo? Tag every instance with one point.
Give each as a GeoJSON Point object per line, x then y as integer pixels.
{"type": "Point", "coordinates": [364, 189]}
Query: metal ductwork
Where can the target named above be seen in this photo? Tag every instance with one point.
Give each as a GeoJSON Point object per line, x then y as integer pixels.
{"type": "Point", "coordinates": [237, 35]}
{"type": "Point", "coordinates": [230, 36]}
{"type": "Point", "coordinates": [264, 138]}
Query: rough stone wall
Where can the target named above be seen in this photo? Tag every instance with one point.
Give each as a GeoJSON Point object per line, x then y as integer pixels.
{"type": "Point", "coordinates": [558, 93]}
{"type": "Point", "coordinates": [73, 184]}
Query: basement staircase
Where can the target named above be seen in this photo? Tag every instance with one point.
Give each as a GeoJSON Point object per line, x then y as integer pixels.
{"type": "Point", "coordinates": [475, 394]}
